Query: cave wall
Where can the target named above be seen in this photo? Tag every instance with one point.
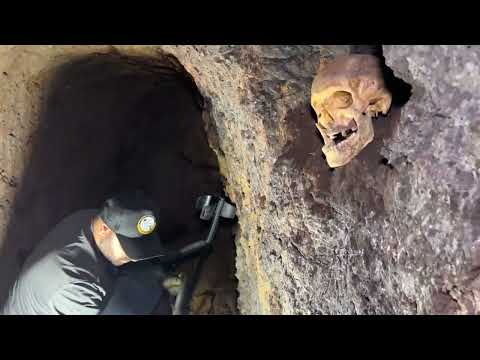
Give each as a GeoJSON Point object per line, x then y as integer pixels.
{"type": "Point", "coordinates": [394, 231]}
{"type": "Point", "coordinates": [436, 147]}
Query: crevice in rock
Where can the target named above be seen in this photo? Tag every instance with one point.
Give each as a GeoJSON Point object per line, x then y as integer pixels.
{"type": "Point", "coordinates": [384, 125]}
{"type": "Point", "coordinates": [384, 161]}
{"type": "Point", "coordinates": [401, 90]}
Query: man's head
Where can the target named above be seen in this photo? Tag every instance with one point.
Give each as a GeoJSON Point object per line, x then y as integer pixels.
{"type": "Point", "coordinates": [125, 228]}
{"type": "Point", "coordinates": [108, 242]}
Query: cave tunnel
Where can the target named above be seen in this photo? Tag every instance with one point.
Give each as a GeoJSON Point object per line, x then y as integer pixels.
{"type": "Point", "coordinates": [110, 123]}
{"type": "Point", "coordinates": [394, 231]}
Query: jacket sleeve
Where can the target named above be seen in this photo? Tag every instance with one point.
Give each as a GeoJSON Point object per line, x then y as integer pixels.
{"type": "Point", "coordinates": [79, 298]}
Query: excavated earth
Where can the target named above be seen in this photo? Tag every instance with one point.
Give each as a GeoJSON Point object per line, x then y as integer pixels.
{"type": "Point", "coordinates": [395, 231]}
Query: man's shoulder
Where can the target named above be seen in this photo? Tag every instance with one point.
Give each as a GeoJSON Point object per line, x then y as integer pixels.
{"type": "Point", "coordinates": [79, 215]}
{"type": "Point", "coordinates": [76, 251]}
{"type": "Point", "coordinates": [64, 233]}
{"type": "Point", "coordinates": [62, 252]}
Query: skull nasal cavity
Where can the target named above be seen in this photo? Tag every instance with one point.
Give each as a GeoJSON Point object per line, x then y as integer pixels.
{"type": "Point", "coordinates": [341, 99]}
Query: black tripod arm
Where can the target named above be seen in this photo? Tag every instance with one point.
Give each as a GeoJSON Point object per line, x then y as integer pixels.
{"type": "Point", "coordinates": [188, 251]}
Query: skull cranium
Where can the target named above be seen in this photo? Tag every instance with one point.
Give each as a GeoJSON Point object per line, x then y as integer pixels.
{"type": "Point", "coordinates": [346, 93]}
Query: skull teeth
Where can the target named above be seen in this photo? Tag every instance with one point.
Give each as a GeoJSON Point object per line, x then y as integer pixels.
{"type": "Point", "coordinates": [342, 135]}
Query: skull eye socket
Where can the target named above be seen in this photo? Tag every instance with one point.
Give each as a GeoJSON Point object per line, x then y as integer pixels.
{"type": "Point", "coordinates": [340, 100]}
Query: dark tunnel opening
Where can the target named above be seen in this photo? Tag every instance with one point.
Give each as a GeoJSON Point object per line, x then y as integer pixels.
{"type": "Point", "coordinates": [110, 123]}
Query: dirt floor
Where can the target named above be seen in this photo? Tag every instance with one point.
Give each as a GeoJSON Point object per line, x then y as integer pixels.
{"type": "Point", "coordinates": [108, 123]}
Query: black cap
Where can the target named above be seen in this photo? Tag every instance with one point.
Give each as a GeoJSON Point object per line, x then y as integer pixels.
{"type": "Point", "coordinates": [131, 217]}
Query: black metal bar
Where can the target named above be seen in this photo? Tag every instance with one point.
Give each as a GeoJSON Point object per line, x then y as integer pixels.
{"type": "Point", "coordinates": [184, 298]}
{"type": "Point", "coordinates": [182, 303]}
{"type": "Point", "coordinates": [216, 219]}
{"type": "Point", "coordinates": [175, 256]}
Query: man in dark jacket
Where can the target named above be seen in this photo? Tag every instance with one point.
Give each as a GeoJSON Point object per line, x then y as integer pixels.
{"type": "Point", "coordinates": [76, 268]}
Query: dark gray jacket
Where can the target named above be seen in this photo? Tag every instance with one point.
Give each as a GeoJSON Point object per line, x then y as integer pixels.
{"type": "Point", "coordinates": [65, 274]}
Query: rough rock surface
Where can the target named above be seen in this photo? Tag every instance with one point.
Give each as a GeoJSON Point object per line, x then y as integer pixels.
{"type": "Point", "coordinates": [435, 150]}
{"type": "Point", "coordinates": [394, 231]}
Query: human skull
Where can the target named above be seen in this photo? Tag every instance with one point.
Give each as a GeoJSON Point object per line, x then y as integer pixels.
{"type": "Point", "coordinates": [346, 93]}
